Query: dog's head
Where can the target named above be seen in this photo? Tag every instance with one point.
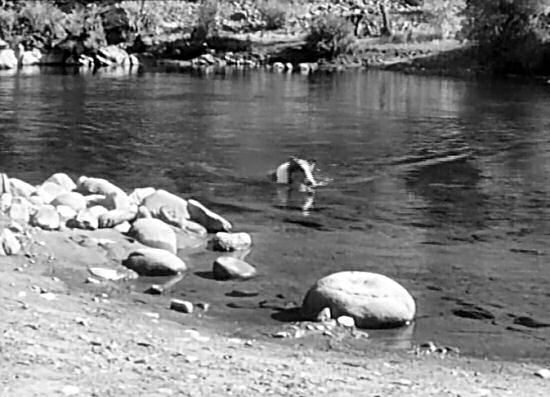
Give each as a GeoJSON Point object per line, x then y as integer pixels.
{"type": "Point", "coordinates": [300, 172]}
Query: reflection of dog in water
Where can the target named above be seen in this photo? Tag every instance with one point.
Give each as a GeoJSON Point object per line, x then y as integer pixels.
{"type": "Point", "coordinates": [295, 184]}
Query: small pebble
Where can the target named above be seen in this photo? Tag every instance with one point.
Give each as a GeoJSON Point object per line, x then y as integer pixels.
{"type": "Point", "coordinates": [346, 321]}
{"type": "Point", "coordinates": [543, 373]}
{"type": "Point", "coordinates": [181, 306]}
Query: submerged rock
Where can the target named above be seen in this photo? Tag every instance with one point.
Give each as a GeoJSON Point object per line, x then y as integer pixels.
{"type": "Point", "coordinates": [373, 300]}
{"type": "Point", "coordinates": [46, 217]}
{"type": "Point", "coordinates": [154, 262]}
{"type": "Point", "coordinates": [231, 241]}
{"type": "Point", "coordinates": [154, 233]}
{"type": "Point", "coordinates": [227, 268]}
{"type": "Point", "coordinates": [210, 220]}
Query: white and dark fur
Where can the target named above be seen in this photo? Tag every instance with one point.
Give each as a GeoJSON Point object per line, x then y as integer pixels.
{"type": "Point", "coordinates": [295, 173]}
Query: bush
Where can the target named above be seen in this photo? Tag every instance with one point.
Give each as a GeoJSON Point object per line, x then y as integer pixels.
{"type": "Point", "coordinates": [207, 20]}
{"type": "Point", "coordinates": [512, 36]}
{"type": "Point", "coordinates": [273, 13]}
{"type": "Point", "coordinates": [329, 36]}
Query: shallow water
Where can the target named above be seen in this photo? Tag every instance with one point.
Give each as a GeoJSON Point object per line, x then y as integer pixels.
{"type": "Point", "coordinates": [441, 184]}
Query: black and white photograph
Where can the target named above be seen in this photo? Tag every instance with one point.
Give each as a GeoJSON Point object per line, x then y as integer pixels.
{"type": "Point", "coordinates": [251, 198]}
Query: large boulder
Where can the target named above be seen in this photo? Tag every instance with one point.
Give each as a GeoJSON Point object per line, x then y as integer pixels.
{"type": "Point", "coordinates": [203, 216]}
{"type": "Point", "coordinates": [88, 186]}
{"type": "Point", "coordinates": [112, 55]}
{"type": "Point", "coordinates": [21, 188]}
{"type": "Point", "coordinates": [373, 300]}
{"type": "Point", "coordinates": [63, 180]}
{"type": "Point", "coordinates": [154, 233]}
{"type": "Point", "coordinates": [154, 262]}
{"type": "Point", "coordinates": [46, 217]}
{"type": "Point", "coordinates": [27, 58]}
{"type": "Point", "coordinates": [5, 201]}
{"type": "Point", "coordinates": [117, 200]}
{"type": "Point", "coordinates": [139, 194]}
{"type": "Point", "coordinates": [231, 241]}
{"type": "Point", "coordinates": [74, 200]}
{"type": "Point", "coordinates": [8, 59]}
{"type": "Point", "coordinates": [162, 198]}
{"type": "Point", "coordinates": [85, 219]}
{"type": "Point", "coordinates": [48, 191]}
{"type": "Point", "coordinates": [115, 217]}
{"type": "Point", "coordinates": [228, 268]}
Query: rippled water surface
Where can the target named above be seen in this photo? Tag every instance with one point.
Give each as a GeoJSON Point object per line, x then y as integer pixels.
{"type": "Point", "coordinates": [441, 184]}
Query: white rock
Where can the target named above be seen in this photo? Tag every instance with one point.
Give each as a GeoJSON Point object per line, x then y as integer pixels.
{"type": "Point", "coordinates": [62, 180]}
{"type": "Point", "coordinates": [65, 212]}
{"type": "Point", "coordinates": [8, 60]}
{"type": "Point", "coordinates": [88, 186]}
{"type": "Point", "coordinates": [373, 300]}
{"type": "Point", "coordinates": [123, 227]}
{"type": "Point", "coordinates": [181, 306]}
{"type": "Point", "coordinates": [543, 373]}
{"type": "Point", "coordinates": [162, 198]}
{"type": "Point", "coordinates": [48, 191]}
{"type": "Point", "coordinates": [346, 321]}
{"type": "Point", "coordinates": [154, 233]}
{"type": "Point", "coordinates": [138, 195]}
{"type": "Point", "coordinates": [20, 210]}
{"type": "Point", "coordinates": [227, 268]}
{"type": "Point", "coordinates": [71, 199]}
{"type": "Point", "coordinates": [5, 201]}
{"type": "Point", "coordinates": [106, 274]}
{"type": "Point", "coordinates": [4, 184]}
{"type": "Point", "coordinates": [207, 218]}
{"type": "Point", "coordinates": [154, 262]}
{"type": "Point", "coordinates": [21, 188]}
{"type": "Point", "coordinates": [9, 242]}
{"type": "Point", "coordinates": [231, 241]}
{"type": "Point", "coordinates": [46, 217]}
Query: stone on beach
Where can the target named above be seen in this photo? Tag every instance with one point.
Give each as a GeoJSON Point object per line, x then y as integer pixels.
{"type": "Point", "coordinates": [154, 233]}
{"type": "Point", "coordinates": [227, 268]}
{"type": "Point", "coordinates": [71, 199]}
{"type": "Point", "coordinates": [62, 180]}
{"type": "Point", "coordinates": [19, 188]}
{"type": "Point", "coordinates": [48, 191]}
{"type": "Point", "coordinates": [203, 216]}
{"type": "Point", "coordinates": [46, 217]}
{"type": "Point", "coordinates": [162, 198]}
{"type": "Point", "coordinates": [9, 243]}
{"type": "Point", "coordinates": [231, 241]}
{"type": "Point", "coordinates": [8, 59]}
{"type": "Point", "coordinates": [85, 219]}
{"type": "Point", "coordinates": [65, 212]}
{"type": "Point", "coordinates": [117, 216]}
{"type": "Point", "coordinates": [139, 194]}
{"type": "Point", "coordinates": [20, 210]}
{"type": "Point", "coordinates": [5, 201]}
{"type": "Point", "coordinates": [88, 186]}
{"type": "Point", "coordinates": [117, 200]}
{"type": "Point", "coordinates": [154, 262]}
{"type": "Point", "coordinates": [181, 306]}
{"type": "Point", "coordinates": [372, 300]}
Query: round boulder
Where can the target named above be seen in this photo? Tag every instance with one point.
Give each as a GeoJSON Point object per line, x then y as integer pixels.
{"type": "Point", "coordinates": [46, 217]}
{"type": "Point", "coordinates": [71, 199]}
{"type": "Point", "coordinates": [373, 300]}
{"type": "Point", "coordinates": [154, 233]}
{"type": "Point", "coordinates": [223, 241]}
{"type": "Point", "coordinates": [228, 268]}
{"type": "Point", "coordinates": [207, 218]}
{"type": "Point", "coordinates": [154, 262]}
{"type": "Point", "coordinates": [62, 180]}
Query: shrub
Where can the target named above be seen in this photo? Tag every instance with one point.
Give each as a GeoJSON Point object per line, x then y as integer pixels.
{"type": "Point", "coordinates": [274, 13]}
{"type": "Point", "coordinates": [512, 35]}
{"type": "Point", "coordinates": [329, 36]}
{"type": "Point", "coordinates": [207, 20]}
{"type": "Point", "coordinates": [7, 23]}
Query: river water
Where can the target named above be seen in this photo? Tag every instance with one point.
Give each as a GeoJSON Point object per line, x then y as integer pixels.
{"type": "Point", "coordinates": [441, 184]}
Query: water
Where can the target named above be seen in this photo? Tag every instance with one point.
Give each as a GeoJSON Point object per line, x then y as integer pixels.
{"type": "Point", "coordinates": [438, 183]}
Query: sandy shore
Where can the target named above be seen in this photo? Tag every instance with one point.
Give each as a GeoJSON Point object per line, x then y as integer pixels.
{"type": "Point", "coordinates": [100, 341]}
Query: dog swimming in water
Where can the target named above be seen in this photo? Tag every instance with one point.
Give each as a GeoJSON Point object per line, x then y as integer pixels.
{"type": "Point", "coordinates": [295, 173]}
{"type": "Point", "coordinates": [295, 184]}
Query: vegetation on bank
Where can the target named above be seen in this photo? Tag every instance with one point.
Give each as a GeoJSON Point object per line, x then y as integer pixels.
{"type": "Point", "coordinates": [511, 36]}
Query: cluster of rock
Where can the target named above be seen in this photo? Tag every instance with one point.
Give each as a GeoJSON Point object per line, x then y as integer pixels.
{"type": "Point", "coordinates": [163, 223]}
{"type": "Point", "coordinates": [159, 220]}
{"type": "Point", "coordinates": [111, 55]}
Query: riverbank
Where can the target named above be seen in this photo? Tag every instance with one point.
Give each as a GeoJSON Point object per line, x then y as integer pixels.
{"type": "Point", "coordinates": [96, 341]}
